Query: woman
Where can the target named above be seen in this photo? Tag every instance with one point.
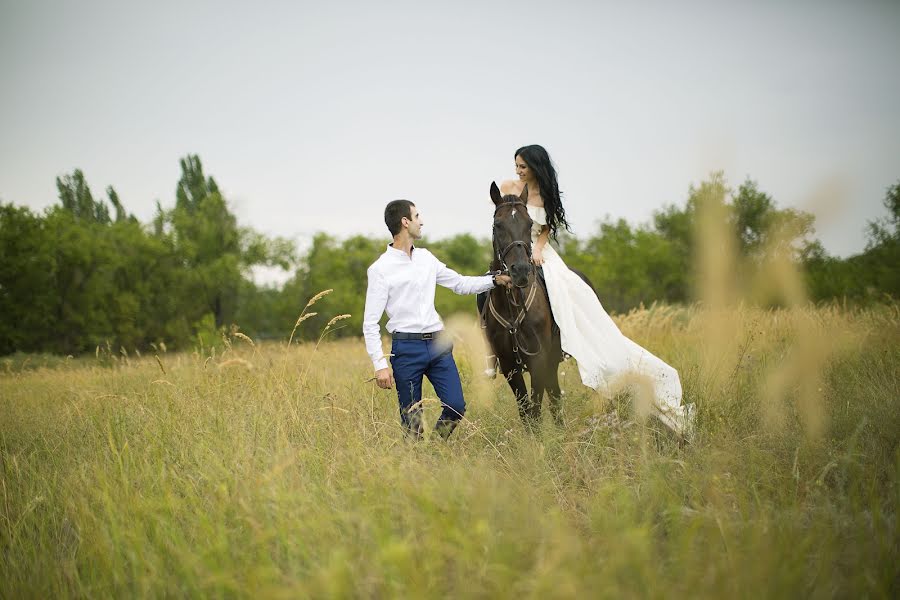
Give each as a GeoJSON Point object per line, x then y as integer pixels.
{"type": "Point", "coordinates": [607, 359]}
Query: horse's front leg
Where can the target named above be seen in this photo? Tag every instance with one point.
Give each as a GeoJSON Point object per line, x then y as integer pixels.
{"type": "Point", "coordinates": [515, 378]}
{"type": "Point", "coordinates": [538, 386]}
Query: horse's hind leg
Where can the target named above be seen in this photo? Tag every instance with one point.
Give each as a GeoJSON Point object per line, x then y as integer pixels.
{"type": "Point", "coordinates": [553, 392]}
{"type": "Point", "coordinates": [553, 360]}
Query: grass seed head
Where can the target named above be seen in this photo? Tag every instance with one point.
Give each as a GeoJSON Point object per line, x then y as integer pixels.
{"type": "Point", "coordinates": [336, 319]}
{"type": "Point", "coordinates": [236, 362]}
{"type": "Point", "coordinates": [317, 297]}
{"type": "Point", "coordinates": [246, 338]}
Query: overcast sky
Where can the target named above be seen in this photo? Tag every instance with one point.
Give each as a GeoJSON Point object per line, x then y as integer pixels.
{"type": "Point", "coordinates": [312, 115]}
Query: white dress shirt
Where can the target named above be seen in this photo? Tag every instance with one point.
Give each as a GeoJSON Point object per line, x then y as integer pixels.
{"type": "Point", "coordinates": [403, 286]}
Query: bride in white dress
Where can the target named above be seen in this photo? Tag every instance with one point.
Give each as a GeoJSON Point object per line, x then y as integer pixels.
{"type": "Point", "coordinates": [607, 360]}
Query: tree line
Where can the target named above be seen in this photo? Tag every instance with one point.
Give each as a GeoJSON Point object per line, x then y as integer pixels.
{"type": "Point", "coordinates": [85, 273]}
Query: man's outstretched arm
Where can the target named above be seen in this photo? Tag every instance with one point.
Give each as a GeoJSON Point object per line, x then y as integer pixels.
{"type": "Point", "coordinates": [464, 285]}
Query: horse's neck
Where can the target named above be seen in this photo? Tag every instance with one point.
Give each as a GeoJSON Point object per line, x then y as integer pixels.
{"type": "Point", "coordinates": [518, 297]}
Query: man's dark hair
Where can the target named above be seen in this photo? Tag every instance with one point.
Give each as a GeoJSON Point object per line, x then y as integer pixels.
{"type": "Point", "coordinates": [394, 213]}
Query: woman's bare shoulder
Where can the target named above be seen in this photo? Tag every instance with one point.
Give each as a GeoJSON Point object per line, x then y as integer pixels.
{"type": "Point", "coordinates": [511, 186]}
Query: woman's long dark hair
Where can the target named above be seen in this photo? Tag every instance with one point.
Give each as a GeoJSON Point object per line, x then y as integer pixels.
{"type": "Point", "coordinates": [539, 162]}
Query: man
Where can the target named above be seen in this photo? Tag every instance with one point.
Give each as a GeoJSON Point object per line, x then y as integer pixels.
{"type": "Point", "coordinates": [402, 282]}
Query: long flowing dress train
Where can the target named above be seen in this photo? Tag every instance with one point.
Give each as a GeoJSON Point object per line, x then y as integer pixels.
{"type": "Point", "coordinates": [605, 356]}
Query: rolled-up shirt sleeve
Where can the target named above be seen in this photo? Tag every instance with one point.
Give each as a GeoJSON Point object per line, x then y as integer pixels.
{"type": "Point", "coordinates": [462, 284]}
{"type": "Point", "coordinates": [376, 300]}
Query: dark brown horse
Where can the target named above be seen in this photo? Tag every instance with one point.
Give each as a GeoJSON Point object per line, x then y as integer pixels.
{"type": "Point", "coordinates": [518, 321]}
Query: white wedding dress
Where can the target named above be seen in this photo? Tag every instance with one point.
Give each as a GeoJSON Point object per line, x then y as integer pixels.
{"type": "Point", "coordinates": [607, 360]}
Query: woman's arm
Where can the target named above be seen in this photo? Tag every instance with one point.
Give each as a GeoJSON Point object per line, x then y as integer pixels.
{"type": "Point", "coordinates": [537, 253]}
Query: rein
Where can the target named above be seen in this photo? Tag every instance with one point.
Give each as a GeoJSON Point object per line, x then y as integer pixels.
{"type": "Point", "coordinates": [512, 323]}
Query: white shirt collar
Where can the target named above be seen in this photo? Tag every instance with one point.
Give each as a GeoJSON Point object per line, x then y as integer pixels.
{"type": "Point", "coordinates": [391, 249]}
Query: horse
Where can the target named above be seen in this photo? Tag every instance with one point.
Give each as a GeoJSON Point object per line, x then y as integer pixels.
{"type": "Point", "coordinates": [518, 321]}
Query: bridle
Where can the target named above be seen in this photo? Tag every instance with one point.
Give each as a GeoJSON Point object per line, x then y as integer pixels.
{"type": "Point", "coordinates": [501, 254]}
{"type": "Point", "coordinates": [512, 324]}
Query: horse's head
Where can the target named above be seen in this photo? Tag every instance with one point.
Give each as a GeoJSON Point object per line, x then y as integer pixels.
{"type": "Point", "coordinates": [512, 235]}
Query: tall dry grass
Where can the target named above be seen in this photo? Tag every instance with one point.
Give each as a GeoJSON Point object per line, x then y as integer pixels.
{"type": "Point", "coordinates": [275, 470]}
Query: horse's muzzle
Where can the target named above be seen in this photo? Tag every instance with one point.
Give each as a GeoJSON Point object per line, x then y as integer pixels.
{"type": "Point", "coordinates": [519, 274]}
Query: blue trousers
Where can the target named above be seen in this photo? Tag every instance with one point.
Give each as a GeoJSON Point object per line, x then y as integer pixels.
{"type": "Point", "coordinates": [434, 359]}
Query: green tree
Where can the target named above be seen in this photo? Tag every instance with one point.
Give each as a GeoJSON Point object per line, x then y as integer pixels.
{"type": "Point", "coordinates": [881, 260]}
{"type": "Point", "coordinates": [121, 215]}
{"type": "Point", "coordinates": [627, 266]}
{"type": "Point", "coordinates": [264, 312]}
{"type": "Point", "coordinates": [207, 237]}
{"type": "Point", "coordinates": [467, 256]}
{"type": "Point", "coordinates": [74, 278]}
{"type": "Point", "coordinates": [27, 298]}
{"type": "Point", "coordinates": [338, 266]}
{"type": "Point", "coordinates": [76, 198]}
{"type": "Point", "coordinates": [762, 227]}
{"type": "Point", "coordinates": [633, 265]}
{"type": "Point", "coordinates": [886, 231]}
{"type": "Point", "coordinates": [217, 254]}
{"type": "Point", "coordinates": [870, 276]}
{"type": "Point", "coordinates": [81, 258]}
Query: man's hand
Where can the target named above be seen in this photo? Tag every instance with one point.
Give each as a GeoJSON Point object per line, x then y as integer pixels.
{"type": "Point", "coordinates": [505, 280]}
{"type": "Point", "coordinates": [384, 378]}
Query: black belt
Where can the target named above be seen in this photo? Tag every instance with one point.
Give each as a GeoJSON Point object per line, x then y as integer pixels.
{"type": "Point", "coordinates": [399, 335]}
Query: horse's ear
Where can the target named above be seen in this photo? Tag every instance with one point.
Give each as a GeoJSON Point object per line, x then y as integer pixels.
{"type": "Point", "coordinates": [524, 195]}
{"type": "Point", "coordinates": [495, 193]}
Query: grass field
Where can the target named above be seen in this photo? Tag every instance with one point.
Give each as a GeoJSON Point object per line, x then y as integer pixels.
{"type": "Point", "coordinates": [278, 471]}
